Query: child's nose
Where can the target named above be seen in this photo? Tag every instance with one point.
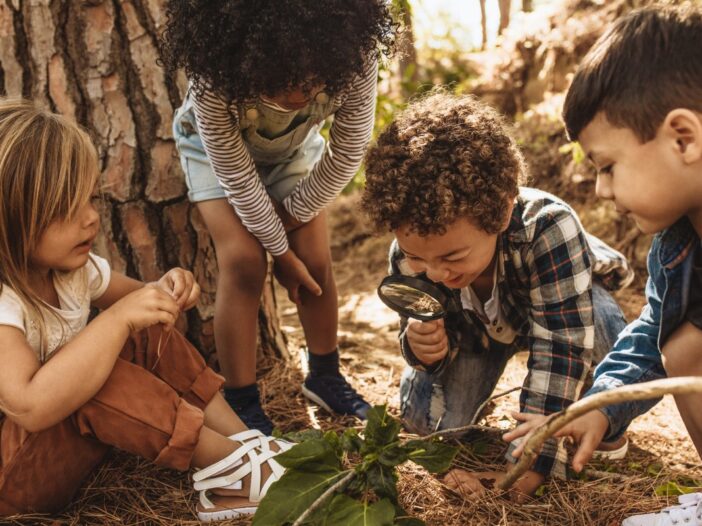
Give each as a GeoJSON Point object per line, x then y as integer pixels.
{"type": "Point", "coordinates": [603, 187]}
{"type": "Point", "coordinates": [436, 274]}
{"type": "Point", "coordinates": [90, 216]}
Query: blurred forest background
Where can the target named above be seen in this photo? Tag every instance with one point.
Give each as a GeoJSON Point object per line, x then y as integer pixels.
{"type": "Point", "coordinates": [96, 61]}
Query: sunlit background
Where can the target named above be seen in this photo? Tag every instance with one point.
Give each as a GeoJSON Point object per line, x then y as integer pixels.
{"type": "Point", "coordinates": [444, 23]}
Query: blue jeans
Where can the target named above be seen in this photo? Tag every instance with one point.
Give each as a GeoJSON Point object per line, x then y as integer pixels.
{"type": "Point", "coordinates": [430, 403]}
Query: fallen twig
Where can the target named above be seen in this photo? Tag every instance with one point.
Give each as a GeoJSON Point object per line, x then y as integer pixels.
{"type": "Point", "coordinates": [458, 431]}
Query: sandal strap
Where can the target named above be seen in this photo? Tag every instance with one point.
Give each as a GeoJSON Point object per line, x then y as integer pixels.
{"type": "Point", "coordinates": [262, 441]}
{"type": "Point", "coordinates": [245, 436]}
{"type": "Point", "coordinates": [228, 462]}
{"type": "Point", "coordinates": [203, 482]}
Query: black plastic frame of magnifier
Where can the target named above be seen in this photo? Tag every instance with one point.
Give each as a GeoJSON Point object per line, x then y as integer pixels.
{"type": "Point", "coordinates": [418, 283]}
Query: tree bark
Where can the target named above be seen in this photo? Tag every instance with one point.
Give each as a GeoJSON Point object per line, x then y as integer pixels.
{"type": "Point", "coordinates": [407, 52]}
{"type": "Point", "coordinates": [483, 25]}
{"type": "Point", "coordinates": [95, 61]}
{"type": "Point", "coordinates": [505, 8]}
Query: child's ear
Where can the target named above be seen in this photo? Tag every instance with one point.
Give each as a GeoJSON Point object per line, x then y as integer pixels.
{"type": "Point", "coordinates": [685, 128]}
{"type": "Point", "coordinates": [508, 216]}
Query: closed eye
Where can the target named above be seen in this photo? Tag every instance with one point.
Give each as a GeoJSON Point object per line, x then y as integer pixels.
{"type": "Point", "coordinates": [607, 170]}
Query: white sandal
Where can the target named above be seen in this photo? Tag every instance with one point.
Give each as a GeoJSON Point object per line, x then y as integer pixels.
{"type": "Point", "coordinates": [257, 449]}
{"type": "Point", "coordinates": [262, 441]}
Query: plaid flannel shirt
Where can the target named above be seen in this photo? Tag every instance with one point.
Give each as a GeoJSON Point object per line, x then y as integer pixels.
{"type": "Point", "coordinates": [546, 264]}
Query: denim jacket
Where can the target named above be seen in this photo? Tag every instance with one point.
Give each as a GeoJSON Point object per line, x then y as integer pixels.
{"type": "Point", "coordinates": [636, 356]}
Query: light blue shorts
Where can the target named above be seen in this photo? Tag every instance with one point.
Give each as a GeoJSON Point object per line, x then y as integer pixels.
{"type": "Point", "coordinates": [279, 179]}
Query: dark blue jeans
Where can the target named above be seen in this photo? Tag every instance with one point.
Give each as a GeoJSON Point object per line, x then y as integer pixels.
{"type": "Point", "coordinates": [430, 403]}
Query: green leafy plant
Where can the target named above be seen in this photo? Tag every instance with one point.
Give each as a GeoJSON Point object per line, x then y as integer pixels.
{"type": "Point", "coordinates": [348, 479]}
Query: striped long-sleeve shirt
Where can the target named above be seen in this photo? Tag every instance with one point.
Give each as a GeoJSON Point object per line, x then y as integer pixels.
{"type": "Point", "coordinates": [234, 167]}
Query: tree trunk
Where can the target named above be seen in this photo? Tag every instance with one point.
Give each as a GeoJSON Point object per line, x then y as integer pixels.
{"type": "Point", "coordinates": [96, 62]}
{"type": "Point", "coordinates": [505, 8]}
{"type": "Point", "coordinates": [483, 25]}
{"type": "Point", "coordinates": [407, 52]}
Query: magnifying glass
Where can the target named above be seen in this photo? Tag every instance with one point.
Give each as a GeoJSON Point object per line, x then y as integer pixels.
{"type": "Point", "coordinates": [414, 297]}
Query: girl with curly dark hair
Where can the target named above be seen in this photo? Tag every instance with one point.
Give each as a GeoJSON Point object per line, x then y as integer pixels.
{"type": "Point", "coordinates": [264, 76]}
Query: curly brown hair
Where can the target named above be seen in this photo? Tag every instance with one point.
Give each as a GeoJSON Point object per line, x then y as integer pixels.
{"type": "Point", "coordinates": [241, 49]}
{"type": "Point", "coordinates": [443, 158]}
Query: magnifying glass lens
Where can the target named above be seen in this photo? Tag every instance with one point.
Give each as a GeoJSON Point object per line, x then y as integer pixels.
{"type": "Point", "coordinates": [413, 297]}
{"type": "Point", "coordinates": [411, 300]}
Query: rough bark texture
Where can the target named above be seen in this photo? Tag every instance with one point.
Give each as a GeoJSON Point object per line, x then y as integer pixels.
{"type": "Point", "coordinates": [96, 62]}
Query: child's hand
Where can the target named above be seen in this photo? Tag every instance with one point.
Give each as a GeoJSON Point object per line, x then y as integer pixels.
{"type": "Point", "coordinates": [145, 307]}
{"type": "Point", "coordinates": [428, 340]}
{"type": "Point", "coordinates": [472, 485]}
{"type": "Point", "coordinates": [587, 431]}
{"type": "Point", "coordinates": [292, 274]}
{"type": "Point", "coordinates": [181, 285]}
{"type": "Point", "coordinates": [290, 222]}
{"type": "Point", "coordinates": [530, 422]}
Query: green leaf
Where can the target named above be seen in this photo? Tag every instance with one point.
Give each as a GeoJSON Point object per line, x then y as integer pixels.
{"type": "Point", "coordinates": [402, 518]}
{"type": "Point", "coordinates": [383, 480]}
{"type": "Point", "coordinates": [394, 455]}
{"type": "Point", "coordinates": [345, 511]}
{"type": "Point", "coordinates": [540, 491]}
{"type": "Point", "coordinates": [672, 488]}
{"type": "Point", "coordinates": [381, 428]}
{"type": "Point", "coordinates": [350, 441]}
{"type": "Point", "coordinates": [315, 455]}
{"type": "Point", "coordinates": [291, 495]}
{"type": "Point", "coordinates": [435, 457]}
{"type": "Point", "coordinates": [301, 436]}
{"type": "Point", "coordinates": [333, 440]}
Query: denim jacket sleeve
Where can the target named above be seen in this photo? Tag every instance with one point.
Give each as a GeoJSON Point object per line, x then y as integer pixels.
{"type": "Point", "coordinates": [635, 356]}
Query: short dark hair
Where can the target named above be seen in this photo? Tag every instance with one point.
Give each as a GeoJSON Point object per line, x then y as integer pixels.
{"type": "Point", "coordinates": [647, 64]}
{"type": "Point", "coordinates": [444, 158]}
{"type": "Point", "coordinates": [241, 49]}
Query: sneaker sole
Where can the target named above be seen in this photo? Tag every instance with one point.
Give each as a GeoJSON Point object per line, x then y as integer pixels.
{"type": "Point", "coordinates": [316, 399]}
{"type": "Point", "coordinates": [616, 454]}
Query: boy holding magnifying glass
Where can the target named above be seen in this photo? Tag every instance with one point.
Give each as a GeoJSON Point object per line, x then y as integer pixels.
{"type": "Point", "coordinates": [519, 271]}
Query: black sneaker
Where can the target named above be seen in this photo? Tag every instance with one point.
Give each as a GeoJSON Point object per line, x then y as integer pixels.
{"type": "Point", "coordinates": [334, 394]}
{"type": "Point", "coordinates": [252, 414]}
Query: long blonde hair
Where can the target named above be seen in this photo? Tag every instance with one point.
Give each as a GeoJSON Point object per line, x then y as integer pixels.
{"type": "Point", "coordinates": [48, 170]}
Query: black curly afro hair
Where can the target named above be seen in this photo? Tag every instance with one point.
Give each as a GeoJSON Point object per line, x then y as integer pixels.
{"type": "Point", "coordinates": [240, 49]}
{"type": "Point", "coordinates": [443, 158]}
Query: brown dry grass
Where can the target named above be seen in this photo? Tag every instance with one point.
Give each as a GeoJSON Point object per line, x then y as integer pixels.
{"type": "Point", "coordinates": [129, 491]}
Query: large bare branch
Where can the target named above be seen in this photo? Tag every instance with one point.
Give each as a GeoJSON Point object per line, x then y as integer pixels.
{"type": "Point", "coordinates": [642, 391]}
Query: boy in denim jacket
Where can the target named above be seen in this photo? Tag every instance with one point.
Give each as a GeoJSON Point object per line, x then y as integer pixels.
{"type": "Point", "coordinates": [635, 105]}
{"type": "Point", "coordinates": [521, 272]}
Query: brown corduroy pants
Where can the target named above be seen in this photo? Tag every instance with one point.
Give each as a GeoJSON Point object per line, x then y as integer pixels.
{"type": "Point", "coordinates": [151, 405]}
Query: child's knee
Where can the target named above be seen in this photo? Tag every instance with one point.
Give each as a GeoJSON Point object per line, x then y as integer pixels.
{"type": "Point", "coordinates": [682, 352]}
{"type": "Point", "coordinates": [246, 272]}
{"type": "Point", "coordinates": [320, 267]}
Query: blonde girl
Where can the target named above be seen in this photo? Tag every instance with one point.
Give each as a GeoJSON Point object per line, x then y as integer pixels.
{"type": "Point", "coordinates": [70, 390]}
